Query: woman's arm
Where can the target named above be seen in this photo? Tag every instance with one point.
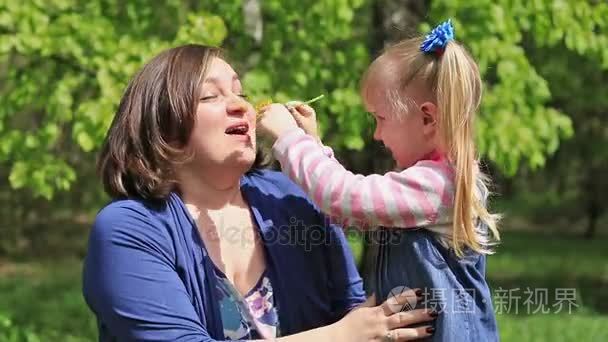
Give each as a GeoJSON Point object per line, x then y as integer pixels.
{"type": "Point", "coordinates": [130, 282]}
{"type": "Point", "coordinates": [418, 196]}
{"type": "Point", "coordinates": [374, 323]}
{"type": "Point", "coordinates": [345, 283]}
{"type": "Point", "coordinates": [131, 285]}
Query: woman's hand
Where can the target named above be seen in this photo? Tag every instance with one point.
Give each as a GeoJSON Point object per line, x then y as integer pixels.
{"type": "Point", "coordinates": [385, 322]}
{"type": "Point", "coordinates": [276, 120]}
{"type": "Point", "coordinates": [305, 116]}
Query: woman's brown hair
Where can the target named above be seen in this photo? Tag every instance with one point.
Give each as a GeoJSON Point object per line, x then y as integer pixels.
{"type": "Point", "coordinates": [153, 124]}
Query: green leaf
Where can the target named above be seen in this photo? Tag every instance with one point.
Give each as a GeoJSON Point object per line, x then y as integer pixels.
{"type": "Point", "coordinates": [18, 175]}
{"type": "Point", "coordinates": [85, 141]}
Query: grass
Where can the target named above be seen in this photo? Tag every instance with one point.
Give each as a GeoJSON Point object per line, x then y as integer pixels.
{"type": "Point", "coordinates": [538, 261]}
{"type": "Point", "coordinates": [577, 327]}
{"type": "Point", "coordinates": [43, 301]}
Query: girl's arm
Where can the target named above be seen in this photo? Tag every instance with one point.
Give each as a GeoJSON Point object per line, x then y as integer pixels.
{"type": "Point", "coordinates": [420, 195]}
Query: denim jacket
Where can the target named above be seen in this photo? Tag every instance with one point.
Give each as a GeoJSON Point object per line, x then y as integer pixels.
{"type": "Point", "coordinates": [455, 287]}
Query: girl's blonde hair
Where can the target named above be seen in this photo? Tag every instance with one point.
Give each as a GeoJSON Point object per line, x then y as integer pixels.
{"type": "Point", "coordinates": [450, 79]}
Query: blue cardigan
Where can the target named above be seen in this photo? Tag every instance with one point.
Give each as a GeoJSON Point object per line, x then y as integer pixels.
{"type": "Point", "coordinates": [147, 276]}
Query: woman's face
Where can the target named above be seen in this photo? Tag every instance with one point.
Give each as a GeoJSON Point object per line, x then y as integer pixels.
{"type": "Point", "coordinates": [224, 129]}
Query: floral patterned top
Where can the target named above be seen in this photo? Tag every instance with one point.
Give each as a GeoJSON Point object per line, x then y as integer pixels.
{"type": "Point", "coordinates": [252, 316]}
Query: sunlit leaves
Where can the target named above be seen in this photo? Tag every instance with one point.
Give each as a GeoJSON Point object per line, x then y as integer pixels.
{"type": "Point", "coordinates": [517, 125]}
{"type": "Point", "coordinates": [64, 65]}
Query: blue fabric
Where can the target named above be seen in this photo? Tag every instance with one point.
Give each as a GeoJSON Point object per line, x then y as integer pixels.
{"type": "Point", "coordinates": [438, 38]}
{"type": "Point", "coordinates": [147, 276]}
{"type": "Point", "coordinates": [456, 287]}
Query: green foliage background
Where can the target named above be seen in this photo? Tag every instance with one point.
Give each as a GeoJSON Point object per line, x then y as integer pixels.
{"type": "Point", "coordinates": [542, 127]}
{"type": "Point", "coordinates": [65, 63]}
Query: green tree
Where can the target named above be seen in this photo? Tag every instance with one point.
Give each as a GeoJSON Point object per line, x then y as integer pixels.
{"type": "Point", "coordinates": [518, 122]}
{"type": "Point", "coordinates": [573, 183]}
{"type": "Point", "coordinates": [64, 65]}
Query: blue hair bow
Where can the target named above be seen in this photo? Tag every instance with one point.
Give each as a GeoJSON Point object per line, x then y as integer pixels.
{"type": "Point", "coordinates": [436, 41]}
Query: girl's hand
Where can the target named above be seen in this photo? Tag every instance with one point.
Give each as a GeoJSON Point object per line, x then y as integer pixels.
{"type": "Point", "coordinates": [276, 120]}
{"type": "Point", "coordinates": [305, 116]}
{"type": "Point", "coordinates": [385, 323]}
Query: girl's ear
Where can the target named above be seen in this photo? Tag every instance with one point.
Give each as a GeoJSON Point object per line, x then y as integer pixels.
{"type": "Point", "coordinates": [429, 116]}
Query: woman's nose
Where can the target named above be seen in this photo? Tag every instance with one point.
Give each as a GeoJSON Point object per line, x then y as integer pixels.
{"type": "Point", "coordinates": [237, 105]}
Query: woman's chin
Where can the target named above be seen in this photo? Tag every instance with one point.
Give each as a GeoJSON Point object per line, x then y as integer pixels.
{"type": "Point", "coordinates": [242, 159]}
{"type": "Point", "coordinates": [246, 163]}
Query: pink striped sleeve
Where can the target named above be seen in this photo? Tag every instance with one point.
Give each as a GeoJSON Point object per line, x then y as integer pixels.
{"type": "Point", "coordinates": [380, 205]}
{"type": "Point", "coordinates": [417, 196]}
{"type": "Point", "coordinates": [403, 208]}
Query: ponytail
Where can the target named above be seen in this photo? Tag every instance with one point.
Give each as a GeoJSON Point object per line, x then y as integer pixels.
{"type": "Point", "coordinates": [458, 97]}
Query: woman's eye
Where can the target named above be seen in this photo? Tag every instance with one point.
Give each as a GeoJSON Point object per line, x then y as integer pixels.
{"type": "Point", "coordinates": [208, 98]}
{"type": "Point", "coordinates": [244, 96]}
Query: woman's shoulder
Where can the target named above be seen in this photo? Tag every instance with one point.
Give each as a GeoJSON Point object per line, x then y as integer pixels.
{"type": "Point", "coordinates": [129, 218]}
{"type": "Point", "coordinates": [122, 209]}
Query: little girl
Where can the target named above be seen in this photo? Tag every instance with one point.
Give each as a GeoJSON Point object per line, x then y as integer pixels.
{"type": "Point", "coordinates": [423, 94]}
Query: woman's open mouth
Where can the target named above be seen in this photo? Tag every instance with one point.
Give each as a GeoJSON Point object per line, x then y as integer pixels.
{"type": "Point", "coordinates": [239, 131]}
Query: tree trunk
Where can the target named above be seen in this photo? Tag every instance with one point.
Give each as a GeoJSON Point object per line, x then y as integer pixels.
{"type": "Point", "coordinates": [593, 203]}
{"type": "Point", "coordinates": [592, 225]}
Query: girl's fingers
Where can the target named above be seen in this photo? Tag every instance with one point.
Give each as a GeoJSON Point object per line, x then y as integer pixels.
{"type": "Point", "coordinates": [301, 107]}
{"type": "Point", "coordinates": [297, 116]}
{"type": "Point", "coordinates": [293, 104]}
{"type": "Point", "coordinates": [305, 110]}
{"type": "Point", "coordinates": [407, 318]}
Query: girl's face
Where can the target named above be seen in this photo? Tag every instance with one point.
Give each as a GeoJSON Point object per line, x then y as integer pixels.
{"type": "Point", "coordinates": [224, 131]}
{"type": "Point", "coordinates": [409, 136]}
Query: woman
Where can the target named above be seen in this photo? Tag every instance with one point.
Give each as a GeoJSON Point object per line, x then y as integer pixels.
{"type": "Point", "coordinates": [199, 244]}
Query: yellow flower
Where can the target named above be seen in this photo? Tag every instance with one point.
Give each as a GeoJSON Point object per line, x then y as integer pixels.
{"type": "Point", "coordinates": [263, 103]}
{"type": "Point", "coordinates": [260, 105]}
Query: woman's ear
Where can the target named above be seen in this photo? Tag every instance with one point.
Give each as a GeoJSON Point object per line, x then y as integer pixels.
{"type": "Point", "coordinates": [429, 117]}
